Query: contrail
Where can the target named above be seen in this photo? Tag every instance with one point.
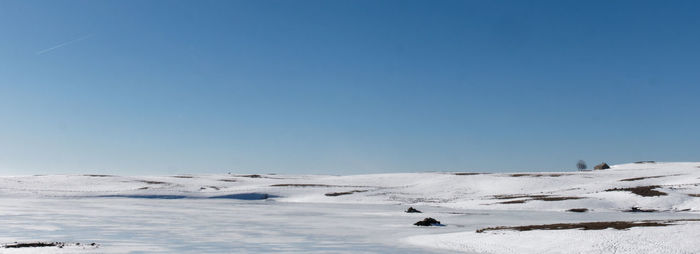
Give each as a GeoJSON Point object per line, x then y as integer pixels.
{"type": "Point", "coordinates": [43, 51]}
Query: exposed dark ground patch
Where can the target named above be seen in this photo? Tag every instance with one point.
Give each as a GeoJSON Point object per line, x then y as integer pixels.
{"type": "Point", "coordinates": [619, 225]}
{"type": "Point", "coordinates": [514, 196]}
{"type": "Point", "coordinates": [246, 196]}
{"type": "Point", "coordinates": [302, 185]}
{"type": "Point", "coordinates": [468, 173]}
{"type": "Point", "coordinates": [209, 187]}
{"type": "Point", "coordinates": [34, 245]}
{"type": "Point", "coordinates": [521, 198]}
{"type": "Point", "coordinates": [521, 201]}
{"type": "Point", "coordinates": [644, 177]}
{"type": "Point", "coordinates": [151, 182]}
{"type": "Point", "coordinates": [99, 175]}
{"type": "Point", "coordinates": [17, 245]}
{"type": "Point", "coordinates": [250, 176]}
{"type": "Point", "coordinates": [640, 210]}
{"type": "Point", "coordinates": [238, 196]}
{"type": "Point", "coordinates": [556, 198]}
{"type": "Point", "coordinates": [145, 196]}
{"type": "Point", "coordinates": [694, 195]}
{"type": "Point", "coordinates": [578, 210]}
{"type": "Point", "coordinates": [315, 185]}
{"type": "Point", "coordinates": [228, 180]}
{"type": "Point", "coordinates": [644, 191]}
{"type": "Point", "coordinates": [537, 175]}
{"type": "Point", "coordinates": [335, 194]}
{"type": "Point", "coordinates": [183, 176]}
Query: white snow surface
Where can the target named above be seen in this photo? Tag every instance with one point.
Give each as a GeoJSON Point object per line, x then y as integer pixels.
{"type": "Point", "coordinates": [231, 213]}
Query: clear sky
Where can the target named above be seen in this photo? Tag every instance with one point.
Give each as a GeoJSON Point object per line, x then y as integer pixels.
{"type": "Point", "coordinates": [345, 87]}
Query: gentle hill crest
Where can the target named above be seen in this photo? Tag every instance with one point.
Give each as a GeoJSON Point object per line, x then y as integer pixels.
{"type": "Point", "coordinates": [657, 186]}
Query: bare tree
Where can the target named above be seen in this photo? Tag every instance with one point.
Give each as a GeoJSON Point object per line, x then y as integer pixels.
{"type": "Point", "coordinates": [581, 165]}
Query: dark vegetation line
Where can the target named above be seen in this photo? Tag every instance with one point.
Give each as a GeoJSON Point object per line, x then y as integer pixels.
{"type": "Point", "coordinates": [469, 173]}
{"type": "Point", "coordinates": [17, 245]}
{"type": "Point", "coordinates": [644, 191]}
{"type": "Point", "coordinates": [249, 176]}
{"type": "Point", "coordinates": [644, 177]}
{"type": "Point", "coordinates": [35, 244]}
{"type": "Point", "coordinates": [335, 194]}
{"type": "Point", "coordinates": [635, 209]}
{"type": "Point", "coordinates": [537, 175]}
{"type": "Point", "coordinates": [525, 198]}
{"type": "Point", "coordinates": [314, 185]}
{"type": "Point", "coordinates": [302, 185]}
{"type": "Point", "coordinates": [619, 225]}
{"type": "Point", "coordinates": [151, 182]}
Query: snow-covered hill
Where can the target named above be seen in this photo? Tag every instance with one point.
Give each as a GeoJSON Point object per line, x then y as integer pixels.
{"type": "Point", "coordinates": [673, 187]}
{"type": "Point", "coordinates": [628, 192]}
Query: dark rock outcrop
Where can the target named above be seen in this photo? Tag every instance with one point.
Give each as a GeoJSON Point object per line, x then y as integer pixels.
{"type": "Point", "coordinates": [644, 191]}
{"type": "Point", "coordinates": [428, 222]}
{"type": "Point", "coordinates": [635, 209]}
{"type": "Point", "coordinates": [601, 166]}
{"type": "Point", "coordinates": [412, 210]}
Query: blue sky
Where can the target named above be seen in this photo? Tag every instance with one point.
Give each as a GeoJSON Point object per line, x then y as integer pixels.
{"type": "Point", "coordinates": [345, 87]}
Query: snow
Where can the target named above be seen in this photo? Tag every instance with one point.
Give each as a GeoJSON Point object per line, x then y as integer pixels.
{"type": "Point", "coordinates": [291, 213]}
{"type": "Point", "coordinates": [674, 239]}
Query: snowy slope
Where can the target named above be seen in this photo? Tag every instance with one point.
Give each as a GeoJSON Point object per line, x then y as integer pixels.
{"type": "Point", "coordinates": [368, 209]}
{"type": "Point", "coordinates": [675, 239]}
{"type": "Point", "coordinates": [537, 191]}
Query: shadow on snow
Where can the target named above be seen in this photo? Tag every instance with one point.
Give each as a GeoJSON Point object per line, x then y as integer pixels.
{"type": "Point", "coordinates": [238, 196]}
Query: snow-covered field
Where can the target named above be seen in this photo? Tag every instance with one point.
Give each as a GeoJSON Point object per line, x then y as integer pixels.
{"type": "Point", "coordinates": [355, 214]}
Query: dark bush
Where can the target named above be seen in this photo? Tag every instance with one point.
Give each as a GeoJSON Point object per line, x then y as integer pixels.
{"type": "Point", "coordinates": [428, 222]}
{"type": "Point", "coordinates": [412, 210]}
